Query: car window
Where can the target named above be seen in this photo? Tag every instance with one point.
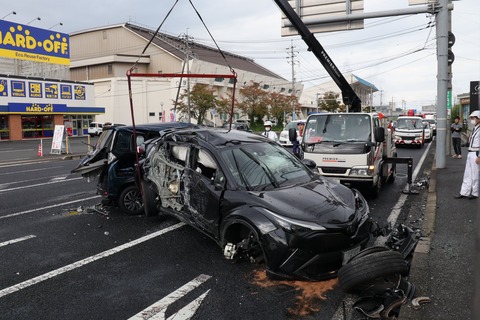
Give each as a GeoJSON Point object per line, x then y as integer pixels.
{"type": "Point", "coordinates": [264, 166]}
{"type": "Point", "coordinates": [204, 164]}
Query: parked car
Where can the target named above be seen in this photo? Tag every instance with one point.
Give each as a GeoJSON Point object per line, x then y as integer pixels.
{"type": "Point", "coordinates": [238, 126]}
{"type": "Point", "coordinates": [256, 200]}
{"type": "Point", "coordinates": [428, 131]}
{"type": "Point", "coordinates": [283, 139]}
{"type": "Point", "coordinates": [112, 164]}
{"type": "Point", "coordinates": [95, 128]}
{"type": "Point", "coordinates": [433, 125]}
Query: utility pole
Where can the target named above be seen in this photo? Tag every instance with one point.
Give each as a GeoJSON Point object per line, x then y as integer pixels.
{"type": "Point", "coordinates": [442, 82]}
{"type": "Point", "coordinates": [291, 56]}
{"type": "Point", "coordinates": [188, 53]}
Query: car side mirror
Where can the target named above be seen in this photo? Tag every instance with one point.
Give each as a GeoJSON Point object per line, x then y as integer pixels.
{"type": "Point", "coordinates": [292, 134]}
{"type": "Point", "coordinates": [309, 164]}
{"type": "Point", "coordinates": [379, 134]}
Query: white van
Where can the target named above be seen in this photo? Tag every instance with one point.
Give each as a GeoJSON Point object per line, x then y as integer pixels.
{"type": "Point", "coordinates": [95, 128]}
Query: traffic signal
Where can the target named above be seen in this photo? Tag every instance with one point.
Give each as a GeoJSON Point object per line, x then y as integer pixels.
{"type": "Point", "coordinates": [451, 42]}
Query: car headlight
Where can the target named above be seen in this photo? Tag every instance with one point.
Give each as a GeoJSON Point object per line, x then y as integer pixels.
{"type": "Point", "coordinates": [291, 225]}
{"type": "Point", "coordinates": [364, 171]}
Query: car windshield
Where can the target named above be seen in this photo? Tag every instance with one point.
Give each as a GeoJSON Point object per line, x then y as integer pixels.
{"type": "Point", "coordinates": [338, 128]}
{"type": "Point", "coordinates": [290, 125]}
{"type": "Point", "coordinates": [264, 166]}
{"type": "Point", "coordinates": [409, 123]}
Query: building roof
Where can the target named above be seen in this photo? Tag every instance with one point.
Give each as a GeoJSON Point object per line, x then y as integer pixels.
{"type": "Point", "coordinates": [176, 46]}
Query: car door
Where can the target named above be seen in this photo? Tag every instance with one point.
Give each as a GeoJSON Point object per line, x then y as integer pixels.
{"type": "Point", "coordinates": [204, 185]}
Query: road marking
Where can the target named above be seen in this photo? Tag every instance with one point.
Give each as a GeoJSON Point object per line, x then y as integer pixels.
{"type": "Point", "coordinates": [6, 243]}
{"type": "Point", "coordinates": [24, 171]}
{"type": "Point", "coordinates": [380, 241]}
{"type": "Point", "coordinates": [47, 207]}
{"type": "Point", "coordinates": [40, 184]}
{"type": "Point", "coordinates": [81, 263]}
{"type": "Point", "coordinates": [157, 310]}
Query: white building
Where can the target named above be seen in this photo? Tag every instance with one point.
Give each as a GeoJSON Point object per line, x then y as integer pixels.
{"type": "Point", "coordinates": [103, 56]}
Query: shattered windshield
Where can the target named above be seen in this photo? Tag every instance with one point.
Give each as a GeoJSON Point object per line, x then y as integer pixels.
{"type": "Point", "coordinates": [264, 166]}
{"type": "Point", "coordinates": [338, 128]}
{"type": "Point", "coordinates": [409, 123]}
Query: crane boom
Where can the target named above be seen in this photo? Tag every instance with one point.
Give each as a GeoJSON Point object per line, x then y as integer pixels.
{"type": "Point", "coordinates": [349, 96]}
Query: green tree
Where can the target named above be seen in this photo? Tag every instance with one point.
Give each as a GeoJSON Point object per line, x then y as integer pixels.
{"type": "Point", "coordinates": [280, 105]}
{"type": "Point", "coordinates": [253, 101]}
{"type": "Point", "coordinates": [202, 100]}
{"type": "Point", "coordinates": [329, 102]}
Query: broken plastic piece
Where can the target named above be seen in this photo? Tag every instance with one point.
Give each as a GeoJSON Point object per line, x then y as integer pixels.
{"type": "Point", "coordinates": [417, 302]}
{"type": "Point", "coordinates": [230, 251]}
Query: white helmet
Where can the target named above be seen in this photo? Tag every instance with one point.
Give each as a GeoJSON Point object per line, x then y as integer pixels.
{"type": "Point", "coordinates": [267, 123]}
{"type": "Point", "coordinates": [475, 113]}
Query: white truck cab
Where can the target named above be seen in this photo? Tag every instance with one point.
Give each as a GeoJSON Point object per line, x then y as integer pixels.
{"type": "Point", "coordinates": [409, 131]}
{"type": "Point", "coordinates": [350, 148]}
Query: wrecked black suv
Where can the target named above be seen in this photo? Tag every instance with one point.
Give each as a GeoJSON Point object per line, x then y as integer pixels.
{"type": "Point", "coordinates": [113, 159]}
{"type": "Point", "coordinates": [256, 200]}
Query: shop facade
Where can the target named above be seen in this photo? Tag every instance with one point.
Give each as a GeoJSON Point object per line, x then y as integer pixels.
{"type": "Point", "coordinates": [31, 107]}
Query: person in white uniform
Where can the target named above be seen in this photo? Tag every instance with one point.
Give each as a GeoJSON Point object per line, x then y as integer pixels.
{"type": "Point", "coordinates": [470, 186]}
{"type": "Point", "coordinates": [268, 131]}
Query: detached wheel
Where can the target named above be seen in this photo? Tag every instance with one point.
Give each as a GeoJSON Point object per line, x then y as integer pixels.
{"type": "Point", "coordinates": [361, 271]}
{"type": "Point", "coordinates": [149, 199]}
{"type": "Point", "coordinates": [130, 201]}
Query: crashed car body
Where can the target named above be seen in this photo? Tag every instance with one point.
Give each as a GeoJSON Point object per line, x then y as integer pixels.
{"type": "Point", "coordinates": [113, 159]}
{"type": "Point", "coordinates": [257, 201]}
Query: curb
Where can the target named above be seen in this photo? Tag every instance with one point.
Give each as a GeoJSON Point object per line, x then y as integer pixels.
{"type": "Point", "coordinates": [420, 262]}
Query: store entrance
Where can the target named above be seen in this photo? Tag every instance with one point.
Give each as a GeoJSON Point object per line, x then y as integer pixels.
{"type": "Point", "coordinates": [37, 126]}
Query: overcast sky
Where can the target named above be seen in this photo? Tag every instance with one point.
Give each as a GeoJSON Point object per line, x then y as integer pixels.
{"type": "Point", "coordinates": [396, 54]}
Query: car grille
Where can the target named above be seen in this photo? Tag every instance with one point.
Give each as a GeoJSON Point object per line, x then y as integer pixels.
{"type": "Point", "coordinates": [334, 170]}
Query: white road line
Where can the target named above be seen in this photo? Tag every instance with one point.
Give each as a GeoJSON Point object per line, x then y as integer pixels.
{"type": "Point", "coordinates": [392, 219]}
{"type": "Point", "coordinates": [6, 243]}
{"type": "Point", "coordinates": [39, 184]}
{"type": "Point", "coordinates": [85, 261]}
{"type": "Point", "coordinates": [32, 170]}
{"type": "Point", "coordinates": [189, 310]}
{"type": "Point", "coordinates": [157, 310]}
{"type": "Point", "coordinates": [47, 207]}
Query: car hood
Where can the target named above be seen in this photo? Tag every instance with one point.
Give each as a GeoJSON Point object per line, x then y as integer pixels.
{"type": "Point", "coordinates": [319, 201]}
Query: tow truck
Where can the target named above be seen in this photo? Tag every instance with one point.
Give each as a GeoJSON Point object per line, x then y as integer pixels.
{"type": "Point", "coordinates": [354, 148]}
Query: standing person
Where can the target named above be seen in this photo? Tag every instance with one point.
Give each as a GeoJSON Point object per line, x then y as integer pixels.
{"type": "Point", "coordinates": [456, 129]}
{"type": "Point", "coordinates": [268, 131]}
{"type": "Point", "coordinates": [296, 143]}
{"type": "Point", "coordinates": [470, 177]}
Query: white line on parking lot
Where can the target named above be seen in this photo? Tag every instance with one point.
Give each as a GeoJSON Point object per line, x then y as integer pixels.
{"type": "Point", "coordinates": [85, 261]}
{"type": "Point", "coordinates": [6, 243]}
{"type": "Point", "coordinates": [157, 310]}
{"type": "Point", "coordinates": [47, 207]}
{"type": "Point", "coordinates": [40, 184]}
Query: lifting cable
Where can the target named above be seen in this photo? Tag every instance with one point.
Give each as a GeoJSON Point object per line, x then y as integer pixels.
{"type": "Point", "coordinates": [224, 58]}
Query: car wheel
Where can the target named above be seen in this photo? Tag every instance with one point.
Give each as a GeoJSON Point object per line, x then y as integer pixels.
{"type": "Point", "coordinates": [149, 199]}
{"type": "Point", "coordinates": [130, 201]}
{"type": "Point", "coordinates": [360, 272]}
{"type": "Point", "coordinates": [246, 243]}
{"type": "Point", "coordinates": [368, 251]}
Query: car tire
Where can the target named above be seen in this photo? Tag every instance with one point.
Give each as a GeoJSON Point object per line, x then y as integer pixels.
{"type": "Point", "coordinates": [149, 202]}
{"type": "Point", "coordinates": [368, 251]}
{"type": "Point", "coordinates": [359, 272]}
{"type": "Point", "coordinates": [130, 201]}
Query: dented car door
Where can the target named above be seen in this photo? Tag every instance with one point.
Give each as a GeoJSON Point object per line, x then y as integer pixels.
{"type": "Point", "coordinates": [203, 189]}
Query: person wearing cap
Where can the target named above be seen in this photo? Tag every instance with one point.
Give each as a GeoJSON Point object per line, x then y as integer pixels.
{"type": "Point", "coordinates": [268, 131]}
{"type": "Point", "coordinates": [296, 144]}
{"type": "Point", "coordinates": [470, 184]}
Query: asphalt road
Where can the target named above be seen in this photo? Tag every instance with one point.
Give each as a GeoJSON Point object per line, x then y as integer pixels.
{"type": "Point", "coordinates": [61, 259]}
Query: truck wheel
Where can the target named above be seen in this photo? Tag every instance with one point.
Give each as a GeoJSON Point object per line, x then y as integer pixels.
{"type": "Point", "coordinates": [360, 271]}
{"type": "Point", "coordinates": [149, 199]}
{"type": "Point", "coordinates": [375, 190]}
{"type": "Point", "coordinates": [130, 201]}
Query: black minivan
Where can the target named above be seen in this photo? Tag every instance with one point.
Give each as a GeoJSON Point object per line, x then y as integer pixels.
{"type": "Point", "coordinates": [112, 161]}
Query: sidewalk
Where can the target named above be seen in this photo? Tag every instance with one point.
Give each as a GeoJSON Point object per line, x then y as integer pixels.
{"type": "Point", "coordinates": [443, 266]}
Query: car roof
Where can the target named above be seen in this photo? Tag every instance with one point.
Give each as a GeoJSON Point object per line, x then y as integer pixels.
{"type": "Point", "coordinates": [156, 126]}
{"type": "Point", "coordinates": [220, 137]}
